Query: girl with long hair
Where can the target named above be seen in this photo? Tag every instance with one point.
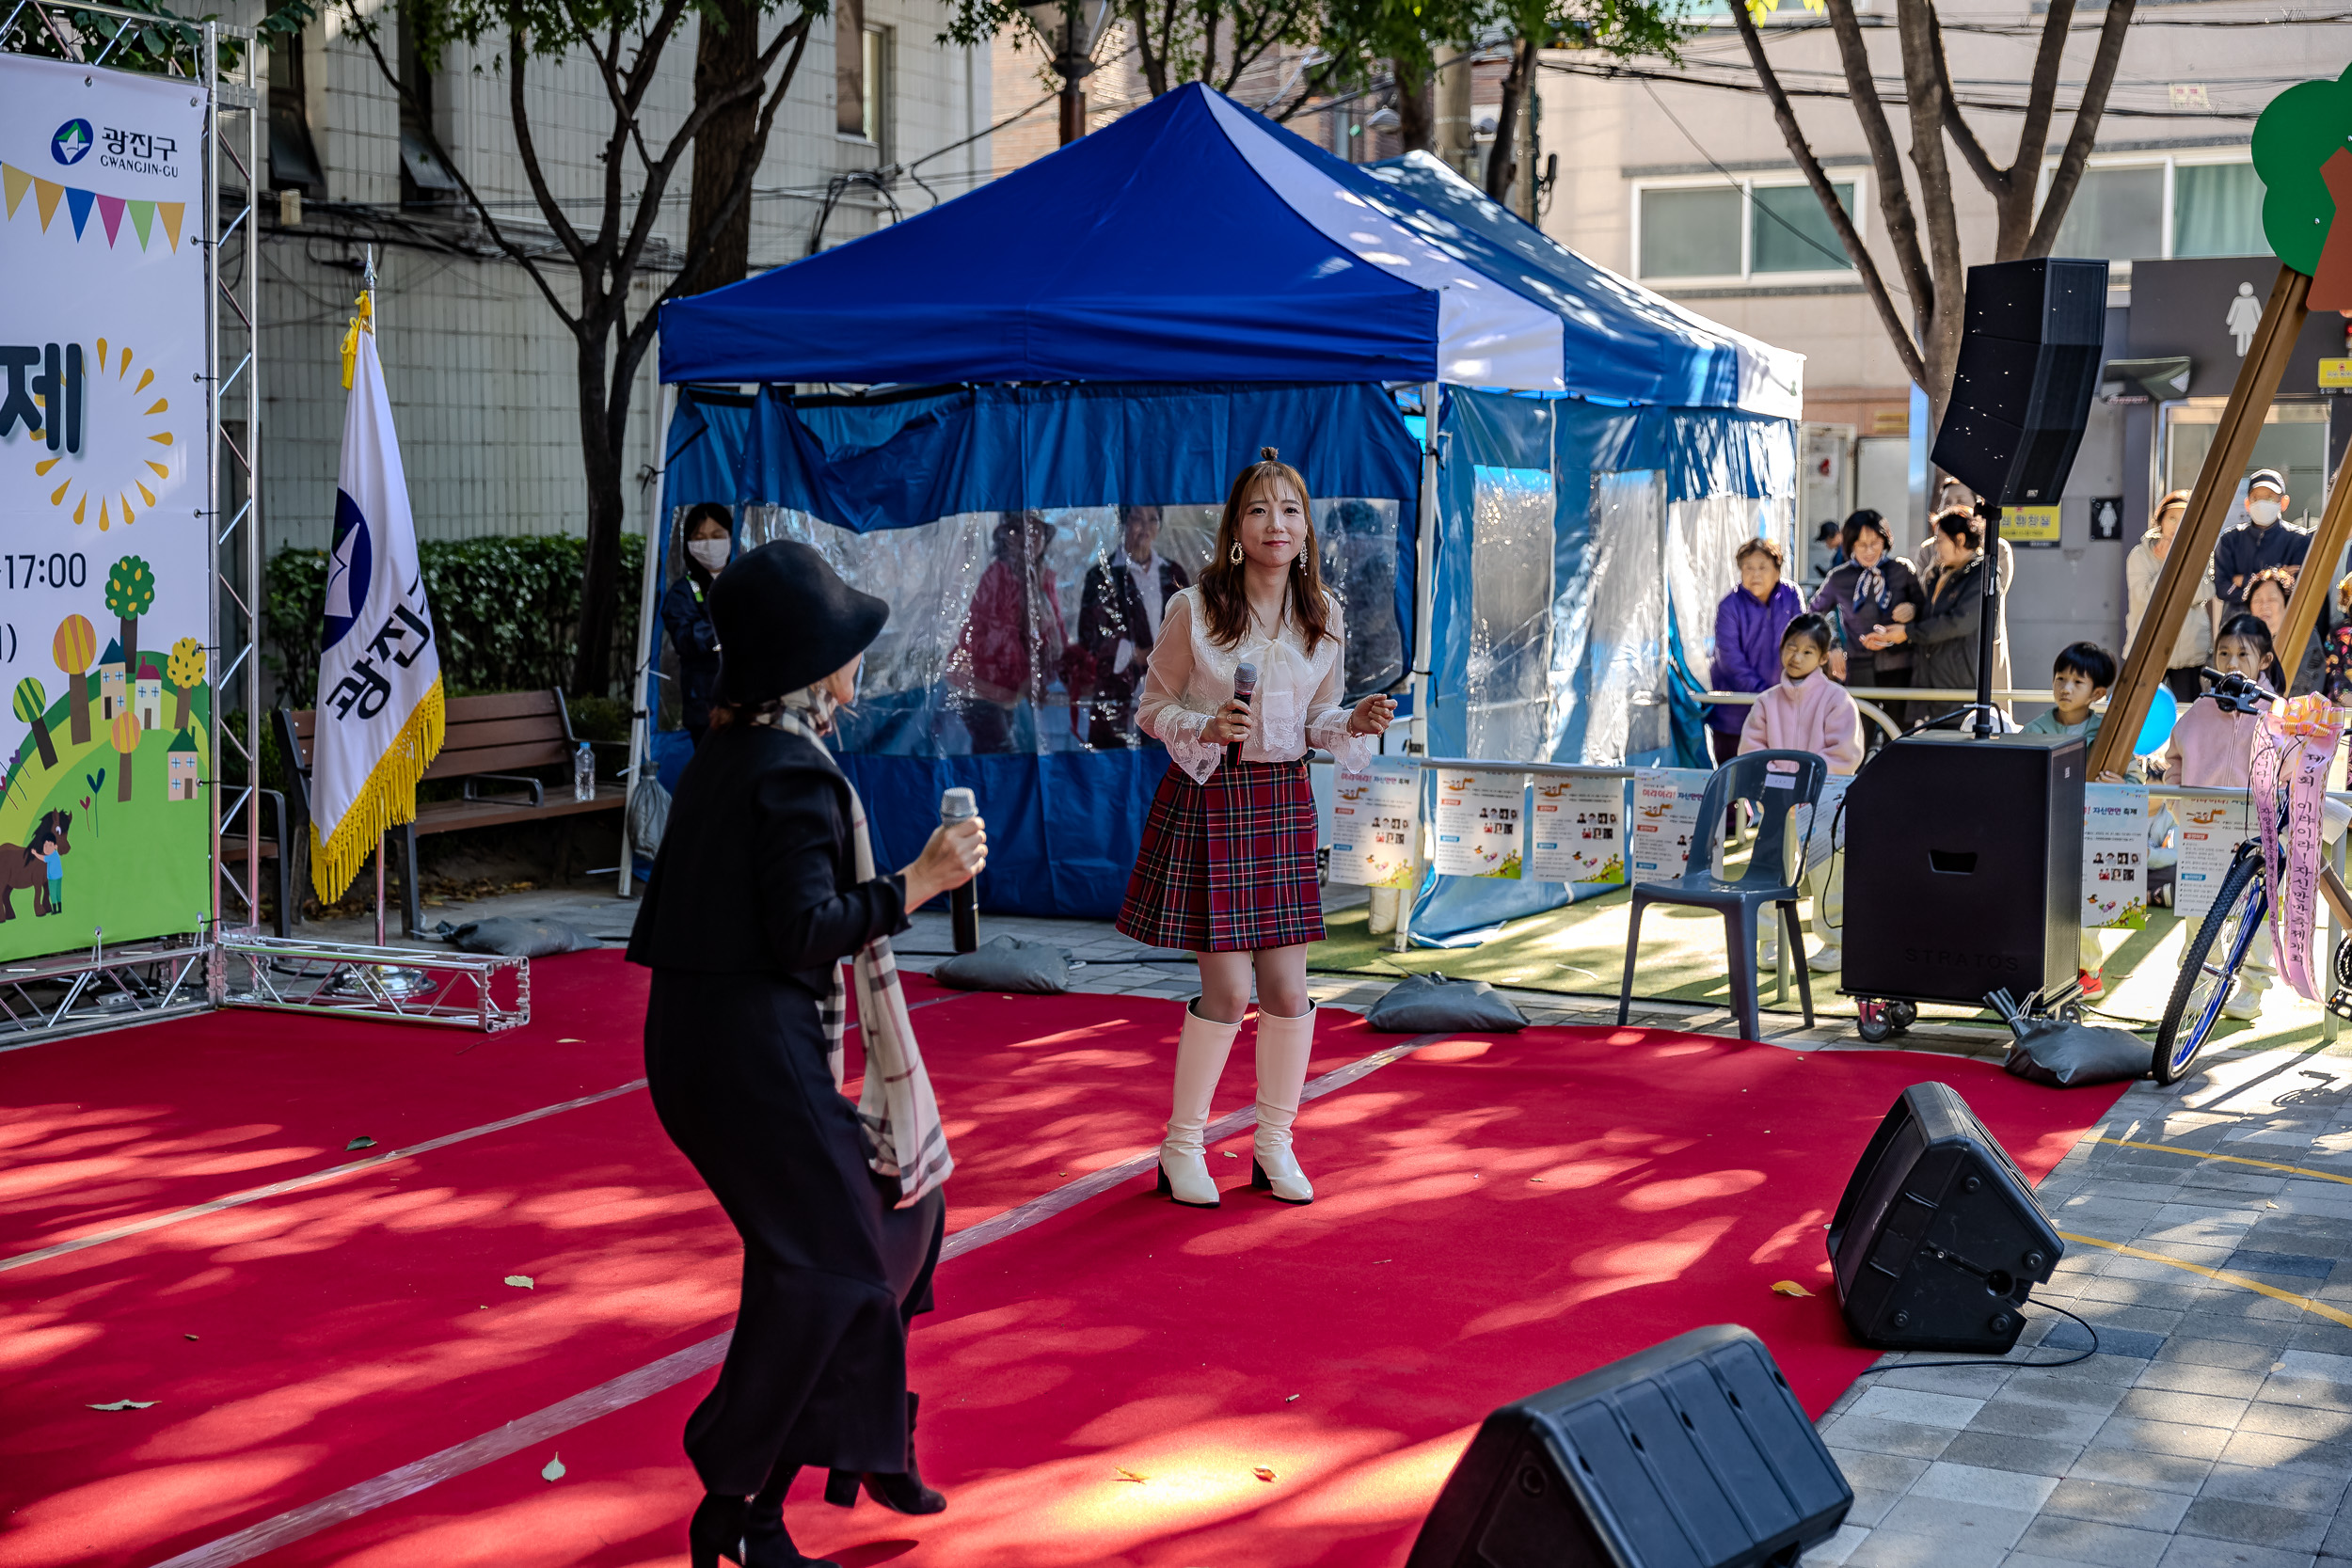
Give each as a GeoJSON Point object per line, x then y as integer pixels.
{"type": "Point", "coordinates": [1227, 868]}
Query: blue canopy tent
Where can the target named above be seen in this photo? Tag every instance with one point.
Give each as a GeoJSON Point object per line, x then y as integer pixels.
{"type": "Point", "coordinates": [1121, 326]}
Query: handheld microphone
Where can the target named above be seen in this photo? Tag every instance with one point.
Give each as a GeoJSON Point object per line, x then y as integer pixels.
{"type": "Point", "coordinates": [963, 903]}
{"type": "Point", "coordinates": [1244, 691]}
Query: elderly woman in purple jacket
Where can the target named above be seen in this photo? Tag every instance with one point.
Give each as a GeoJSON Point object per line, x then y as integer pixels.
{"type": "Point", "coordinates": [1748, 624]}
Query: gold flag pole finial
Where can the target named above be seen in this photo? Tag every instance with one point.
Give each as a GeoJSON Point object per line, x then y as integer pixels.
{"type": "Point", "coordinates": [363, 322]}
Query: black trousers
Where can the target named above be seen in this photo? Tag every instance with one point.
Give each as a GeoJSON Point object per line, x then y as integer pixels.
{"type": "Point", "coordinates": [833, 1272]}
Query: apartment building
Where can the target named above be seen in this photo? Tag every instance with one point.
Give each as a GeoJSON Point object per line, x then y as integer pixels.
{"type": "Point", "coordinates": [1680, 178]}
{"type": "Point", "coordinates": [483, 374]}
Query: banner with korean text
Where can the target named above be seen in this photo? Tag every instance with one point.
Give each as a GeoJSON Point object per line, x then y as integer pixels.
{"type": "Point", "coordinates": [105, 815]}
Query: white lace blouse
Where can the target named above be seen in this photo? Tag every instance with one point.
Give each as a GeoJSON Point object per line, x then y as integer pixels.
{"type": "Point", "coordinates": [1297, 703]}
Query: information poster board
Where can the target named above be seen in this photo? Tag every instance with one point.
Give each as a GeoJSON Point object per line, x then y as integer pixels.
{"type": "Point", "coordinates": [1665, 819]}
{"type": "Point", "coordinates": [1577, 831]}
{"type": "Point", "coordinates": [1375, 819]}
{"type": "Point", "coordinates": [104, 820]}
{"type": "Point", "coordinates": [2115, 856]}
{"type": "Point", "coordinates": [2211, 831]}
{"type": "Point", "coordinates": [1477, 823]}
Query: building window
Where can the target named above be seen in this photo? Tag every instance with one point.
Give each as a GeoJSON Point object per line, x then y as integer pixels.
{"type": "Point", "coordinates": [293, 157]}
{"type": "Point", "coordinates": [2163, 209]}
{"type": "Point", "coordinates": [1719, 231]}
{"type": "Point", "coordinates": [875, 98]}
{"type": "Point", "coordinates": [2217, 211]}
{"type": "Point", "coordinates": [424, 181]}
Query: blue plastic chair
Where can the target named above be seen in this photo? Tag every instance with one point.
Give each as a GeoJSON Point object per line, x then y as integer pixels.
{"type": "Point", "coordinates": [1774, 784]}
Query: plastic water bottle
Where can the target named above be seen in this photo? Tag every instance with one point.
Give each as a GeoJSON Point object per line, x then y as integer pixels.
{"type": "Point", "coordinates": [583, 773]}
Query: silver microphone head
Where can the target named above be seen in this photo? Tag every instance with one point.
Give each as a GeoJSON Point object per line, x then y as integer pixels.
{"type": "Point", "coordinates": [957, 804]}
{"type": "Point", "coordinates": [1245, 681]}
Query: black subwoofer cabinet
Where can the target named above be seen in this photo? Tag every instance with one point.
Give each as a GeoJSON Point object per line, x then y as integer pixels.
{"type": "Point", "coordinates": [1964, 867]}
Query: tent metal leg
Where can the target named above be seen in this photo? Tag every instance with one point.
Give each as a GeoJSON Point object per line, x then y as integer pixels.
{"type": "Point", "coordinates": [640, 717]}
{"type": "Point", "coordinates": [1425, 619]}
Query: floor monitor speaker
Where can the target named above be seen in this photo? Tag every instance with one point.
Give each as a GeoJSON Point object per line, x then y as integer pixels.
{"type": "Point", "coordinates": [1938, 1240]}
{"type": "Point", "coordinates": [1964, 867]}
{"type": "Point", "coordinates": [1693, 1453]}
{"type": "Point", "coordinates": [2032, 339]}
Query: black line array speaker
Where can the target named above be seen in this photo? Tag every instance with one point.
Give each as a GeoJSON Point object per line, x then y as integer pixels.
{"type": "Point", "coordinates": [2030, 348]}
{"type": "Point", "coordinates": [1964, 867]}
{"type": "Point", "coordinates": [1691, 1455]}
{"type": "Point", "coordinates": [1938, 1240]}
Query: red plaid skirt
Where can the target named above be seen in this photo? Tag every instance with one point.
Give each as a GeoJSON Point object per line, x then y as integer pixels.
{"type": "Point", "coordinates": [1229, 866]}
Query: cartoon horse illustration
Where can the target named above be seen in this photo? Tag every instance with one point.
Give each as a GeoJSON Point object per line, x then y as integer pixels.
{"type": "Point", "coordinates": [22, 867]}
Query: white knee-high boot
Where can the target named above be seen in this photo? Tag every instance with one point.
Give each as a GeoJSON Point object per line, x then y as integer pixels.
{"type": "Point", "coordinates": [1200, 1053]}
{"type": "Point", "coordinates": [1283, 1047]}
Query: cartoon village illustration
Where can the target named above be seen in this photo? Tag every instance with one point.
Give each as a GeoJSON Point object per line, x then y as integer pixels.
{"type": "Point", "coordinates": [102, 811]}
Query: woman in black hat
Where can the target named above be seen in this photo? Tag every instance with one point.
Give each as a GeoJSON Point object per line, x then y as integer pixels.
{"type": "Point", "coordinates": [763, 886]}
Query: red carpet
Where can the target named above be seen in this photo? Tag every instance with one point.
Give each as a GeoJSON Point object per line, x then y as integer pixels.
{"type": "Point", "coordinates": [1497, 1216]}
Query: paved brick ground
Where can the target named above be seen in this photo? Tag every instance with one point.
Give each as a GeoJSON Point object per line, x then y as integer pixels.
{"type": "Point", "coordinates": [2214, 1427]}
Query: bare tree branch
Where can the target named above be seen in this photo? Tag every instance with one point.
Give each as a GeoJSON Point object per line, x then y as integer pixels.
{"type": "Point", "coordinates": [365, 29]}
{"type": "Point", "coordinates": [1940, 332]}
{"type": "Point", "coordinates": [527, 152]}
{"type": "Point", "coordinates": [2069, 172]}
{"type": "Point", "coordinates": [1873, 284]}
{"type": "Point", "coordinates": [1902, 228]}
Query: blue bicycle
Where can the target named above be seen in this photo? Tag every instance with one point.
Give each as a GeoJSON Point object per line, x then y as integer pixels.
{"type": "Point", "coordinates": [2216, 951]}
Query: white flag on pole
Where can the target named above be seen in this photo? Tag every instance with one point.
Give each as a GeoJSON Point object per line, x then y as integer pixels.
{"type": "Point", "coordinates": [379, 694]}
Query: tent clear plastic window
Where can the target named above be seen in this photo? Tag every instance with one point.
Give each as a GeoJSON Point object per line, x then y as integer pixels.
{"type": "Point", "coordinates": [1028, 632]}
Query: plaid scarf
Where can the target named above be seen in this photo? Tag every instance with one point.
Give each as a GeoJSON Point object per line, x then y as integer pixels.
{"type": "Point", "coordinates": [1869, 583]}
{"type": "Point", "coordinates": [896, 1103]}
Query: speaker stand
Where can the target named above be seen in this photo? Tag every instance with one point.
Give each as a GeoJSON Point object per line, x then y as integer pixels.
{"type": "Point", "coordinates": [1988, 630]}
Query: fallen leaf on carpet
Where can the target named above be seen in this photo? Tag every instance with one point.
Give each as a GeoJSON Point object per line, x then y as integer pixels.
{"type": "Point", "coordinates": [1789, 1288]}
{"type": "Point", "coordinates": [1292, 1397]}
{"type": "Point", "coordinates": [1230, 1155]}
{"type": "Point", "coordinates": [126, 1404]}
{"type": "Point", "coordinates": [1262, 1473]}
{"type": "Point", "coordinates": [569, 1041]}
{"type": "Point", "coordinates": [1125, 1474]}
{"type": "Point", "coordinates": [187, 1335]}
{"type": "Point", "coordinates": [554, 1471]}
{"type": "Point", "coordinates": [361, 1142]}
{"type": "Point", "coordinates": [521, 1281]}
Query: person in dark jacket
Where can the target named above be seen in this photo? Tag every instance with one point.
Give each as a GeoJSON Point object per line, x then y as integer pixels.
{"type": "Point", "coordinates": [1873, 587]}
{"type": "Point", "coordinates": [1946, 635]}
{"type": "Point", "coordinates": [709, 541]}
{"type": "Point", "coordinates": [753, 903]}
{"type": "Point", "coordinates": [1118, 619]}
{"type": "Point", "coordinates": [1748, 626]}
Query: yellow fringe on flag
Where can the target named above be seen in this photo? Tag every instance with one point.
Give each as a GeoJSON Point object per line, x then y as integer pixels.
{"type": "Point", "coordinates": [363, 322]}
{"type": "Point", "coordinates": [388, 800]}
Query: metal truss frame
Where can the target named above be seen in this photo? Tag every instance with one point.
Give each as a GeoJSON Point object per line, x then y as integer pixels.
{"type": "Point", "coordinates": [348, 979]}
{"type": "Point", "coordinates": [70, 992]}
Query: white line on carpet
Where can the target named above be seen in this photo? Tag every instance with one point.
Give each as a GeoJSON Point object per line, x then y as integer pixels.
{"type": "Point", "coordinates": [672, 1369]}
{"type": "Point", "coordinates": [291, 1183]}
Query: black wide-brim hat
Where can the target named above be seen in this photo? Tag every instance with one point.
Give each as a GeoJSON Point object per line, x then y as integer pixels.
{"type": "Point", "coordinates": [785, 621]}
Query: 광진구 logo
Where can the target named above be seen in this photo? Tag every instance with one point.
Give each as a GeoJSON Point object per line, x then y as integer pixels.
{"type": "Point", "coordinates": [73, 142]}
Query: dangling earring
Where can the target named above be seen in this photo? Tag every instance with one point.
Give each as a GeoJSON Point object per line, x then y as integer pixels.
{"type": "Point", "coordinates": [1298, 561]}
{"type": "Point", "coordinates": [1236, 555]}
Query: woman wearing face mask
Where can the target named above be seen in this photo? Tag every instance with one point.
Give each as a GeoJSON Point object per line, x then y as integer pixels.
{"type": "Point", "coordinates": [686, 612]}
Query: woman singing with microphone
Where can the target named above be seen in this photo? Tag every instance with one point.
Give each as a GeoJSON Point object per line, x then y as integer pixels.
{"type": "Point", "coordinates": [1228, 864]}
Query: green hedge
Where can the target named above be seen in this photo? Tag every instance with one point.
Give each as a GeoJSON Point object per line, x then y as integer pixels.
{"type": "Point", "coordinates": [506, 611]}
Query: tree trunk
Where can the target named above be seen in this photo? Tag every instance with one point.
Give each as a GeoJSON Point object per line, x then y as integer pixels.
{"type": "Point", "coordinates": [179, 710]}
{"type": "Point", "coordinates": [41, 739]}
{"type": "Point", "coordinates": [725, 54]}
{"type": "Point", "coordinates": [1415, 126]}
{"type": "Point", "coordinates": [77, 700]}
{"type": "Point", "coordinates": [600, 454]}
{"type": "Point", "coordinates": [123, 778]}
{"type": "Point", "coordinates": [131, 647]}
{"type": "Point", "coordinates": [1501, 160]}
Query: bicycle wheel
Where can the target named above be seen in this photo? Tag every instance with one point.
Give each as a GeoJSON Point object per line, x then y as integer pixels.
{"type": "Point", "coordinates": [2216, 951]}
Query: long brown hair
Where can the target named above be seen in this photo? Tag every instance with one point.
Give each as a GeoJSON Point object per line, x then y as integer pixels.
{"type": "Point", "coordinates": [1222, 596]}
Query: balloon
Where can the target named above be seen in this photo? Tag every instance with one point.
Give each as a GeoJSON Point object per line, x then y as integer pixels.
{"type": "Point", "coordinates": [2163, 713]}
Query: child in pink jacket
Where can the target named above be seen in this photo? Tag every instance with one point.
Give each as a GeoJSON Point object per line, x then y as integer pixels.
{"type": "Point", "coordinates": [1809, 712]}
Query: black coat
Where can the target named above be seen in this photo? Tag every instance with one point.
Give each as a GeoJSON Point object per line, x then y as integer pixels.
{"type": "Point", "coordinates": [1948, 631]}
{"type": "Point", "coordinates": [687, 619]}
{"type": "Point", "coordinates": [751, 905]}
{"type": "Point", "coordinates": [1111, 612]}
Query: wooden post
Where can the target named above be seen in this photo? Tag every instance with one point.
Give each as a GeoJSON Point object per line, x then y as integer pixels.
{"type": "Point", "coordinates": [2313, 585]}
{"type": "Point", "coordinates": [2191, 550]}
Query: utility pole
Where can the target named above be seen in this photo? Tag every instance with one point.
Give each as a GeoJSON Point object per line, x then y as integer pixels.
{"type": "Point", "coordinates": [1070, 28]}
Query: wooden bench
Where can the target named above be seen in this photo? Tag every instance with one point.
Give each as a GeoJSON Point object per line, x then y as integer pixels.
{"type": "Point", "coordinates": [485, 743]}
